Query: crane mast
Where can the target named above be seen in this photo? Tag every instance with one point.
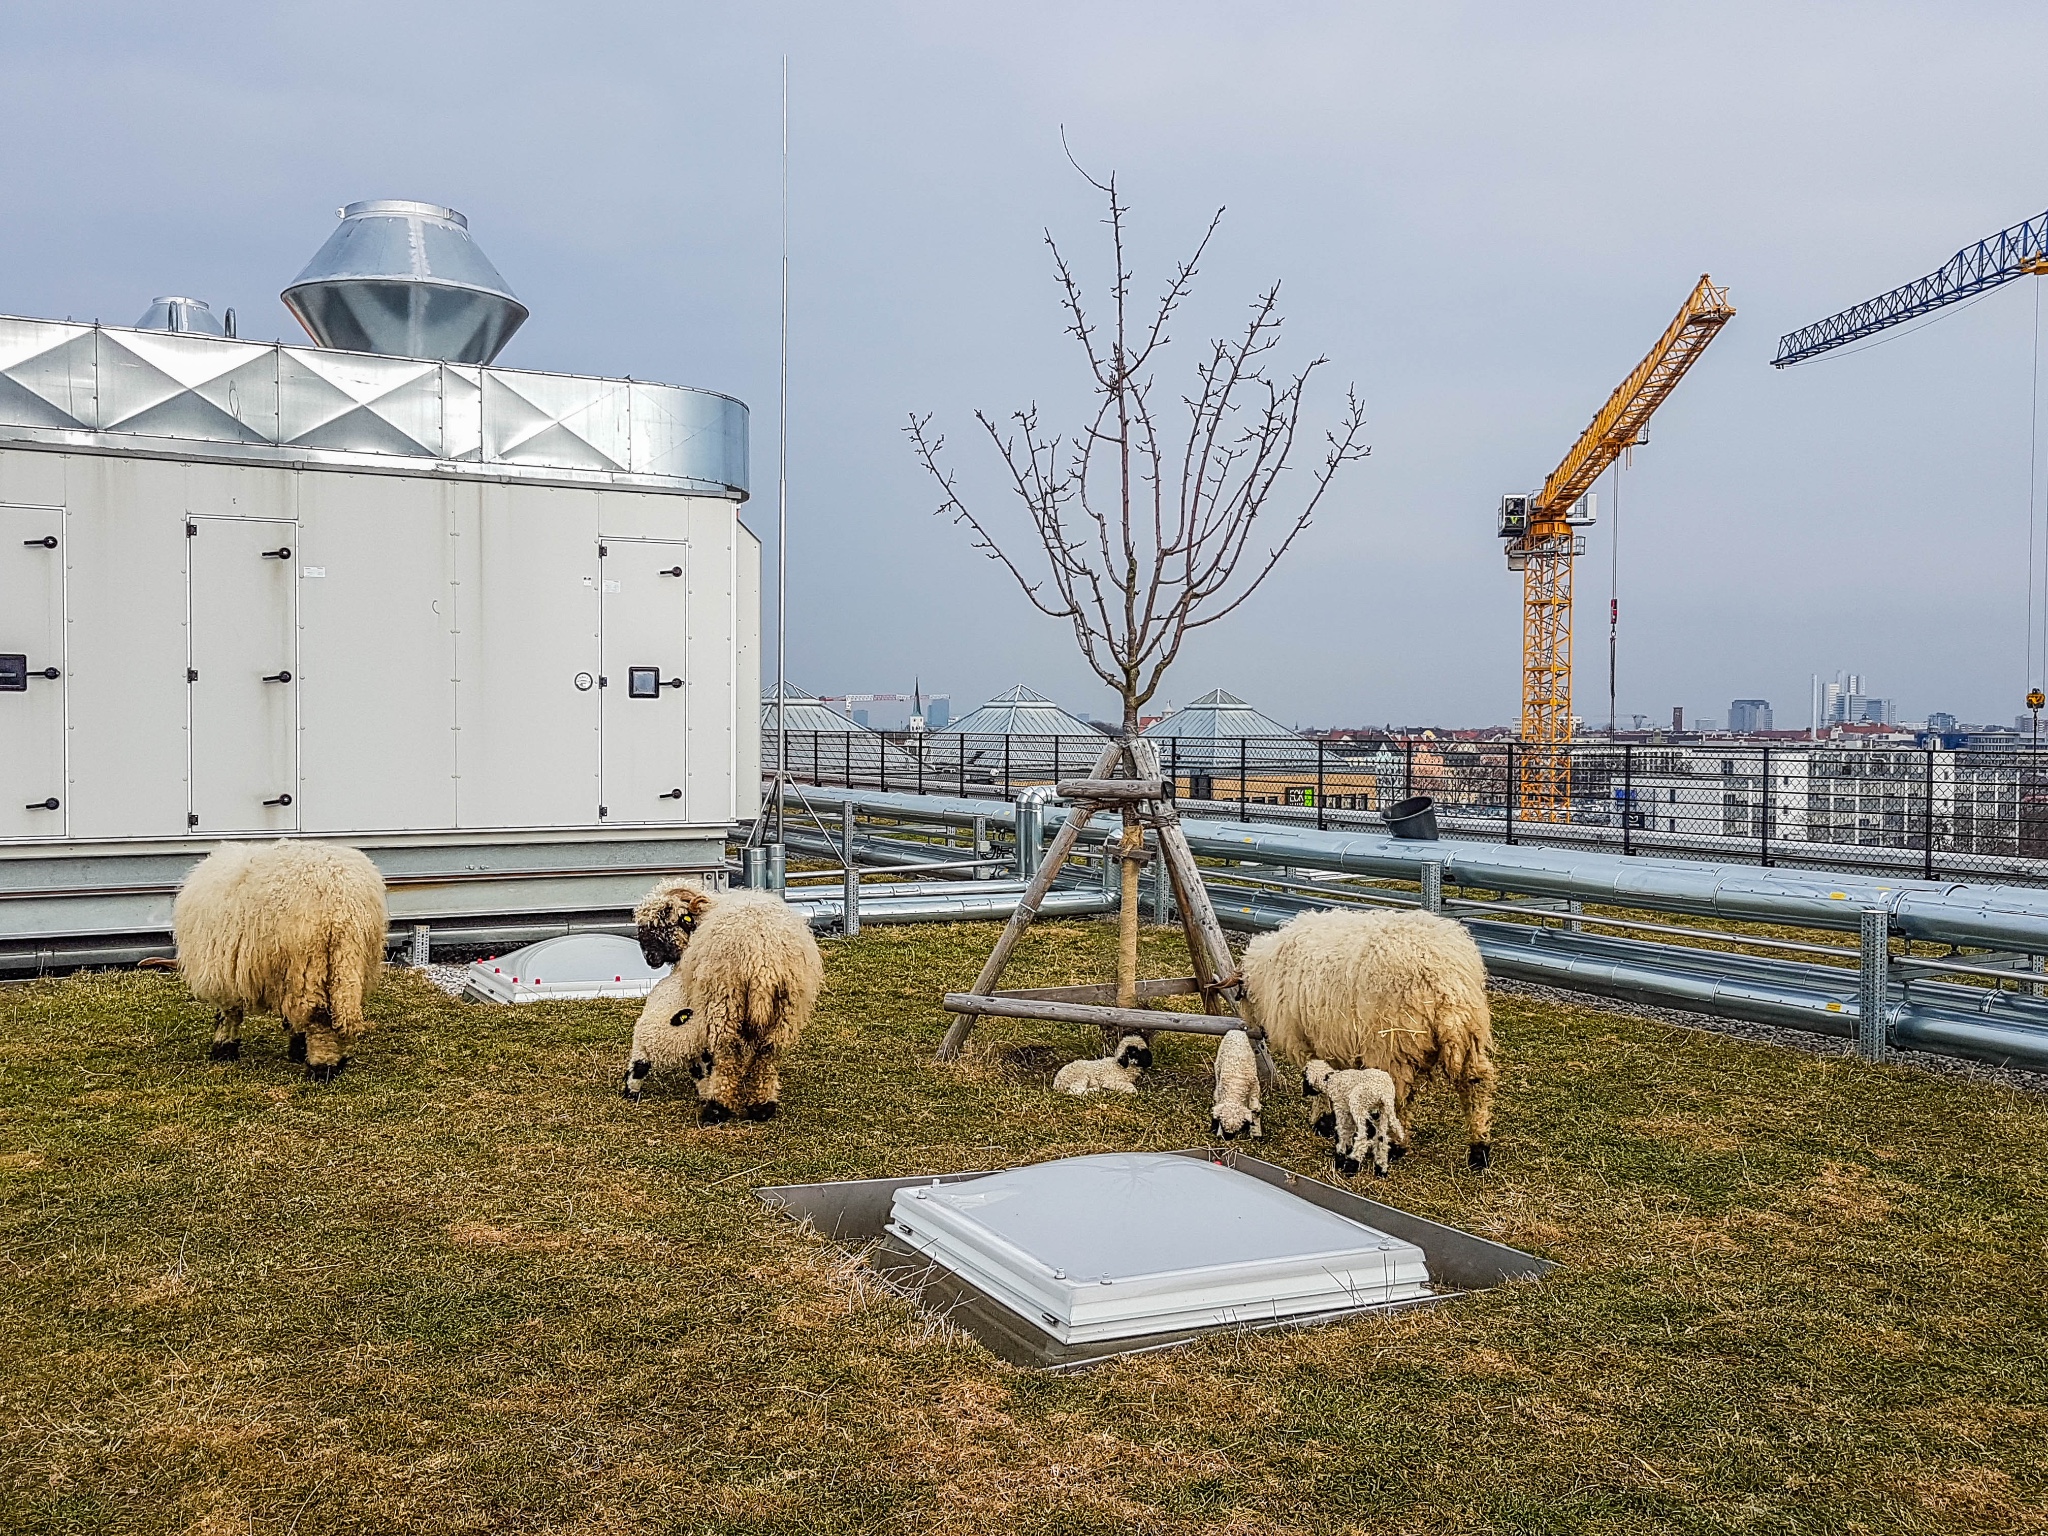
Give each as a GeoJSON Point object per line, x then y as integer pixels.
{"type": "Point", "coordinates": [1542, 544]}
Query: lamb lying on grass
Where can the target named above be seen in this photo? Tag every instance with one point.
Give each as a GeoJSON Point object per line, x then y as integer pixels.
{"type": "Point", "coordinates": [291, 928]}
{"type": "Point", "coordinates": [1116, 1073]}
{"type": "Point", "coordinates": [1366, 1119]}
{"type": "Point", "coordinates": [1234, 1106]}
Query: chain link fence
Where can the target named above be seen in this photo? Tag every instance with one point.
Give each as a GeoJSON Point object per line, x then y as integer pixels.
{"type": "Point", "coordinates": [1928, 813]}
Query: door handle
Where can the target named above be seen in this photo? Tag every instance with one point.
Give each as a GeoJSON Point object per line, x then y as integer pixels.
{"type": "Point", "coordinates": [674, 570]}
{"type": "Point", "coordinates": [284, 552]}
{"type": "Point", "coordinates": [47, 541]}
{"type": "Point", "coordinates": [674, 682]}
{"type": "Point", "coordinates": [280, 800]}
{"type": "Point", "coordinates": [674, 794]}
{"type": "Point", "coordinates": [50, 672]}
{"type": "Point", "coordinates": [42, 805]}
{"type": "Point", "coordinates": [278, 677]}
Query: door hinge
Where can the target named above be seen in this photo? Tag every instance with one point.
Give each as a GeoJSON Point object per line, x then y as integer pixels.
{"type": "Point", "coordinates": [191, 674]}
{"type": "Point", "coordinates": [603, 550]}
{"type": "Point", "coordinates": [603, 681]}
{"type": "Point", "coordinates": [603, 811]}
{"type": "Point", "coordinates": [191, 530]}
{"type": "Point", "coordinates": [191, 818]}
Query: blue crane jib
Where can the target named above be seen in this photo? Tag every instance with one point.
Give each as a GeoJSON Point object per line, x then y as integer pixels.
{"type": "Point", "coordinates": [2010, 253]}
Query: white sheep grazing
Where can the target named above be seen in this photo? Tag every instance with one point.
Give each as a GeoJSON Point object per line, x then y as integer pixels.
{"type": "Point", "coordinates": [749, 974]}
{"type": "Point", "coordinates": [1401, 991]}
{"type": "Point", "coordinates": [1115, 1073]}
{"type": "Point", "coordinates": [1234, 1106]}
{"type": "Point", "coordinates": [291, 928]}
{"type": "Point", "coordinates": [1363, 1102]}
{"type": "Point", "coordinates": [668, 1035]}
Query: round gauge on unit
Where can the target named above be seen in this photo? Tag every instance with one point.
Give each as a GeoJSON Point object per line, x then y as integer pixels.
{"type": "Point", "coordinates": [585, 682]}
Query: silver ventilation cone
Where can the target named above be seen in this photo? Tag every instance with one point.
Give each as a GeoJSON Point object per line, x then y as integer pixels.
{"type": "Point", "coordinates": [174, 313]}
{"type": "Point", "coordinates": [405, 279]}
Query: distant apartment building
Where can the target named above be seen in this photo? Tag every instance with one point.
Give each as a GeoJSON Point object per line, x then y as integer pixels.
{"type": "Point", "coordinates": [1942, 722]}
{"type": "Point", "coordinates": [1748, 716]}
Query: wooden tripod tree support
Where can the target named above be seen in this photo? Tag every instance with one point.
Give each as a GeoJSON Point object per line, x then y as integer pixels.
{"type": "Point", "coordinates": [1215, 977]}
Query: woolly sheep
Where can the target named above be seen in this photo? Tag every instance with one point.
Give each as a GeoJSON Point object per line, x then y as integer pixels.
{"type": "Point", "coordinates": [1362, 1102]}
{"type": "Point", "coordinates": [748, 974]}
{"type": "Point", "coordinates": [1401, 991]}
{"type": "Point", "coordinates": [291, 928]}
{"type": "Point", "coordinates": [667, 1035]}
{"type": "Point", "coordinates": [1234, 1107]}
{"type": "Point", "coordinates": [1115, 1073]}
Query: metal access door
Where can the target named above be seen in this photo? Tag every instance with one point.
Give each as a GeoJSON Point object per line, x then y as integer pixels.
{"type": "Point", "coordinates": [32, 672]}
{"type": "Point", "coordinates": [241, 660]}
{"type": "Point", "coordinates": [646, 696]}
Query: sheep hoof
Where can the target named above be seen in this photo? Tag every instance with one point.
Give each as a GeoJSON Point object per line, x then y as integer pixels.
{"type": "Point", "coordinates": [1397, 1151]}
{"type": "Point", "coordinates": [1325, 1125]}
{"type": "Point", "coordinates": [713, 1113]}
{"type": "Point", "coordinates": [324, 1072]}
{"type": "Point", "coordinates": [295, 1048]}
{"type": "Point", "coordinates": [1379, 1171]}
{"type": "Point", "coordinates": [225, 1050]}
{"type": "Point", "coordinates": [1480, 1156]}
{"type": "Point", "coordinates": [1347, 1166]}
{"type": "Point", "coordinates": [630, 1093]}
{"type": "Point", "coordinates": [766, 1111]}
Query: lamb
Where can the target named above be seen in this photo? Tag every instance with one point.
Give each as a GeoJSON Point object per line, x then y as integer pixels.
{"type": "Point", "coordinates": [1363, 1104]}
{"type": "Point", "coordinates": [667, 1035]}
{"type": "Point", "coordinates": [1115, 1073]}
{"type": "Point", "coordinates": [1234, 1110]}
{"type": "Point", "coordinates": [1401, 991]}
{"type": "Point", "coordinates": [293, 928]}
{"type": "Point", "coordinates": [747, 977]}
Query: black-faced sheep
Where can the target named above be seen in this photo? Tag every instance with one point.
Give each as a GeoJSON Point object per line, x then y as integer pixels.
{"type": "Point", "coordinates": [1114, 1073]}
{"type": "Point", "coordinates": [1362, 1105]}
{"type": "Point", "coordinates": [1401, 991]}
{"type": "Point", "coordinates": [291, 928]}
{"type": "Point", "coordinates": [748, 974]}
{"type": "Point", "coordinates": [1234, 1105]}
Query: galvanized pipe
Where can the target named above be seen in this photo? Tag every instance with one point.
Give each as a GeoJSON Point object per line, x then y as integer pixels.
{"type": "Point", "coordinates": [2001, 917]}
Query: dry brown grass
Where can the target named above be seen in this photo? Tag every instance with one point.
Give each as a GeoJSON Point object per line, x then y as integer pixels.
{"type": "Point", "coordinates": [468, 1289]}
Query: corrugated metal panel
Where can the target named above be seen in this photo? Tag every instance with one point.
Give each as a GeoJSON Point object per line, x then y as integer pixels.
{"type": "Point", "coordinates": [171, 387]}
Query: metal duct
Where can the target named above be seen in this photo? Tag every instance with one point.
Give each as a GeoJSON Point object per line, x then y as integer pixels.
{"type": "Point", "coordinates": [174, 312]}
{"type": "Point", "coordinates": [2006, 917]}
{"type": "Point", "coordinates": [406, 280]}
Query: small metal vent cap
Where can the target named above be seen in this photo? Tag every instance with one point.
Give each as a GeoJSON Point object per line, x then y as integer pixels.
{"type": "Point", "coordinates": [173, 312]}
{"type": "Point", "coordinates": [405, 279]}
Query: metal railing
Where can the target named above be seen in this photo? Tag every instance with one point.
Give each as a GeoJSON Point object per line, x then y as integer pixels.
{"type": "Point", "coordinates": [1527, 909]}
{"type": "Point", "coordinates": [1929, 813]}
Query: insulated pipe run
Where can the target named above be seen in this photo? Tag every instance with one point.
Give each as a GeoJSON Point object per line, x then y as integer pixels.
{"type": "Point", "coordinates": [2004, 917]}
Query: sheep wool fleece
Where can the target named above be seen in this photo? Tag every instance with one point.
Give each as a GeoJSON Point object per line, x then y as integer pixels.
{"type": "Point", "coordinates": [1401, 991]}
{"type": "Point", "coordinates": [1234, 1107]}
{"type": "Point", "coordinates": [293, 928]}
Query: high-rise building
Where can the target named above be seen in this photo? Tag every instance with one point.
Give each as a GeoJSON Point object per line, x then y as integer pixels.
{"type": "Point", "coordinates": [1748, 716]}
{"type": "Point", "coordinates": [1941, 721]}
{"type": "Point", "coordinates": [1677, 718]}
{"type": "Point", "coordinates": [937, 713]}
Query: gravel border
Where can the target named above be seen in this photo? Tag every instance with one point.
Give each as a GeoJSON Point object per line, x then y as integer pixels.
{"type": "Point", "coordinates": [2015, 1078]}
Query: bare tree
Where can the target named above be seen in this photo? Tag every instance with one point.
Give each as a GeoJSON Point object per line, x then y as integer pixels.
{"type": "Point", "coordinates": [1147, 515]}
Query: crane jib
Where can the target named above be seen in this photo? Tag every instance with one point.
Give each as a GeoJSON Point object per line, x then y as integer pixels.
{"type": "Point", "coordinates": [2020, 251]}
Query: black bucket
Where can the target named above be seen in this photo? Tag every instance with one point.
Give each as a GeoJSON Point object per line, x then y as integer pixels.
{"type": "Point", "coordinates": [1413, 819]}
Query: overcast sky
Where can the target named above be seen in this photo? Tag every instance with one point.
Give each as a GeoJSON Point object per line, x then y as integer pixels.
{"type": "Point", "coordinates": [1482, 214]}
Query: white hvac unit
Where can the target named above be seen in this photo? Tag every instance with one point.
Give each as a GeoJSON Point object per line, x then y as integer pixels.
{"type": "Point", "coordinates": [498, 628]}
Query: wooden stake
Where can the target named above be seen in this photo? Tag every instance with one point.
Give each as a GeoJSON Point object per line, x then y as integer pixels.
{"type": "Point", "coordinates": [1027, 905]}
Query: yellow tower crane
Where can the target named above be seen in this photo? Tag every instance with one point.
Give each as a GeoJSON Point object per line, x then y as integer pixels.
{"type": "Point", "coordinates": [1539, 528]}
